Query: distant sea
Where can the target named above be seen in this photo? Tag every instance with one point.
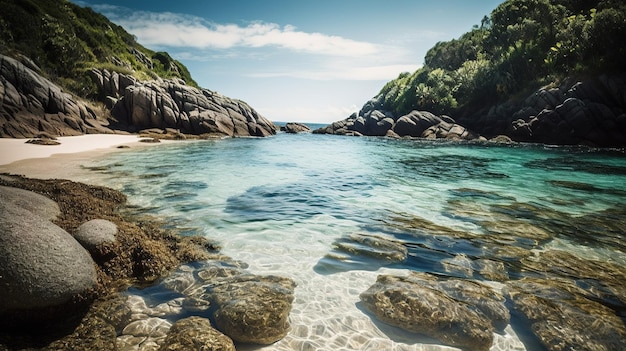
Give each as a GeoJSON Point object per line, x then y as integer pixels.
{"type": "Point", "coordinates": [282, 203]}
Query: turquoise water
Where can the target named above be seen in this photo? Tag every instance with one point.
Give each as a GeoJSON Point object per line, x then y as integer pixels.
{"type": "Point", "coordinates": [282, 203]}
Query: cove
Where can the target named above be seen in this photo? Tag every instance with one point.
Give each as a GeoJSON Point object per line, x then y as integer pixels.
{"type": "Point", "coordinates": [333, 213]}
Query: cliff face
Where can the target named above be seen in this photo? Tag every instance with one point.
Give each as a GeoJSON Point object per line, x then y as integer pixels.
{"type": "Point", "coordinates": [32, 106]}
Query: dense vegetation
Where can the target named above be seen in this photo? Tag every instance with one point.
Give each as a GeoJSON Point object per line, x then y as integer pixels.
{"type": "Point", "coordinates": [66, 40]}
{"type": "Point", "coordinates": [523, 44]}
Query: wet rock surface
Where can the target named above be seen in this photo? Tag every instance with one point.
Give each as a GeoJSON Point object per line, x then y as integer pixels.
{"type": "Point", "coordinates": [246, 307]}
{"type": "Point", "coordinates": [195, 333]}
{"type": "Point", "coordinates": [455, 312]}
{"type": "Point", "coordinates": [562, 318]}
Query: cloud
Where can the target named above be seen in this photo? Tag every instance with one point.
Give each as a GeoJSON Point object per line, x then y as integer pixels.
{"type": "Point", "coordinates": [382, 72]}
{"type": "Point", "coordinates": [168, 29]}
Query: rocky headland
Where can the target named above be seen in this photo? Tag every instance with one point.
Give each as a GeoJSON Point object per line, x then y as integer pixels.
{"type": "Point", "coordinates": [33, 106]}
{"type": "Point", "coordinates": [68, 250]}
{"type": "Point", "coordinates": [588, 112]}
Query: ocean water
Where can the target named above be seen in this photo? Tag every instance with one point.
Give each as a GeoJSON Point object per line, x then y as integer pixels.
{"type": "Point", "coordinates": [281, 204]}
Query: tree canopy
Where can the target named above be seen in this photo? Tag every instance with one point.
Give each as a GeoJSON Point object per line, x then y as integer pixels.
{"type": "Point", "coordinates": [521, 43]}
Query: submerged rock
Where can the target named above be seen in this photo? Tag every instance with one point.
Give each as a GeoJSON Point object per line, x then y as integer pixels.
{"type": "Point", "coordinates": [563, 319]}
{"type": "Point", "coordinates": [195, 333]}
{"type": "Point", "coordinates": [253, 309]}
{"type": "Point", "coordinates": [455, 312]}
{"type": "Point", "coordinates": [247, 308]}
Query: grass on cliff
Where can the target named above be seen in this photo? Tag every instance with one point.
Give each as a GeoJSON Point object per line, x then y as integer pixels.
{"type": "Point", "coordinates": [66, 40]}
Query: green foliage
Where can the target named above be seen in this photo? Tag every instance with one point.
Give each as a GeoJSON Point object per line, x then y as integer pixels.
{"type": "Point", "coordinates": [66, 40]}
{"type": "Point", "coordinates": [519, 44]}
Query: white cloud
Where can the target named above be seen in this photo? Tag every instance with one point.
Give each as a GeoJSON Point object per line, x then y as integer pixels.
{"type": "Point", "coordinates": [168, 29]}
{"type": "Point", "coordinates": [381, 72]}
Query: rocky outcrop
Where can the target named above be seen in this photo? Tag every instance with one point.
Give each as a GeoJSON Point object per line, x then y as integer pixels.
{"type": "Point", "coordinates": [31, 105]}
{"type": "Point", "coordinates": [455, 312]}
{"type": "Point", "coordinates": [173, 104]}
{"type": "Point", "coordinates": [43, 270]}
{"type": "Point", "coordinates": [375, 121]}
{"type": "Point", "coordinates": [295, 128]}
{"type": "Point", "coordinates": [590, 112]}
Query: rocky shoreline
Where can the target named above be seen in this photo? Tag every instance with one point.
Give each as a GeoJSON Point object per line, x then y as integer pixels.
{"type": "Point", "coordinates": [117, 250]}
{"type": "Point", "coordinates": [34, 106]}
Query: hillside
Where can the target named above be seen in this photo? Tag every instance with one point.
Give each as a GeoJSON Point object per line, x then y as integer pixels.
{"type": "Point", "coordinates": [66, 41]}
{"type": "Point", "coordinates": [49, 48]}
{"type": "Point", "coordinates": [486, 78]}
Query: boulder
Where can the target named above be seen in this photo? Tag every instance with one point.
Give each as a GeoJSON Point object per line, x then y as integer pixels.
{"type": "Point", "coordinates": [31, 104]}
{"type": "Point", "coordinates": [253, 309]}
{"type": "Point", "coordinates": [417, 124]}
{"type": "Point", "coordinates": [294, 128]}
{"type": "Point", "coordinates": [456, 312]}
{"type": "Point", "coordinates": [195, 333]}
{"type": "Point", "coordinates": [577, 112]}
{"type": "Point", "coordinates": [43, 269]}
{"type": "Point", "coordinates": [36, 204]}
{"type": "Point", "coordinates": [247, 308]}
{"type": "Point", "coordinates": [562, 318]}
{"type": "Point", "coordinates": [95, 232]}
{"type": "Point", "coordinates": [166, 103]}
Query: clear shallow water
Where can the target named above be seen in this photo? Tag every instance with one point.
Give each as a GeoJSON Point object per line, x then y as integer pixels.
{"type": "Point", "coordinates": [281, 204]}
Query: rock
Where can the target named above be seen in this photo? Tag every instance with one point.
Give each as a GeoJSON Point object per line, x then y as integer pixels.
{"type": "Point", "coordinates": [44, 271]}
{"type": "Point", "coordinates": [31, 104]}
{"type": "Point", "coordinates": [562, 319]}
{"type": "Point", "coordinates": [246, 307]}
{"type": "Point", "coordinates": [417, 124]}
{"type": "Point", "coordinates": [43, 141]}
{"type": "Point", "coordinates": [578, 112]}
{"type": "Point", "coordinates": [168, 103]}
{"type": "Point", "coordinates": [36, 204]}
{"type": "Point", "coordinates": [294, 128]}
{"type": "Point", "coordinates": [95, 232]}
{"type": "Point", "coordinates": [363, 251]}
{"type": "Point", "coordinates": [253, 309]}
{"type": "Point", "coordinates": [455, 312]}
{"type": "Point", "coordinates": [195, 333]}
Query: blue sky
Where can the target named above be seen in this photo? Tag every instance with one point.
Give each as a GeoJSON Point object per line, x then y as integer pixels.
{"type": "Point", "coordinates": [309, 61]}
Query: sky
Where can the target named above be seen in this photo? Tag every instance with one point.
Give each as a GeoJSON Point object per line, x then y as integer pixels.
{"type": "Point", "coordinates": [306, 61]}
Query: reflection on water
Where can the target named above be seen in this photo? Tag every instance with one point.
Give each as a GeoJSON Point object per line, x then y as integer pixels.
{"type": "Point", "coordinates": [332, 213]}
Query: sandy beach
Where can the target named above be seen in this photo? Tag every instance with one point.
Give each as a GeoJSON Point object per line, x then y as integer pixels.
{"type": "Point", "coordinates": [59, 161]}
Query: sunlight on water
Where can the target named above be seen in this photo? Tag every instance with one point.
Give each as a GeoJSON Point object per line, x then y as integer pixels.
{"type": "Point", "coordinates": [281, 203]}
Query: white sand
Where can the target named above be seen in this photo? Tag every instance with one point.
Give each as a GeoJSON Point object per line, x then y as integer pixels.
{"type": "Point", "coordinates": [59, 161]}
